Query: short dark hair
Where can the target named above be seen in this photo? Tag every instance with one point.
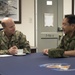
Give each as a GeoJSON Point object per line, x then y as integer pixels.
{"type": "Point", "coordinates": [71, 18]}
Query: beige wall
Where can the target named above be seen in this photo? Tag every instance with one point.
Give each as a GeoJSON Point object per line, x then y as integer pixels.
{"type": "Point", "coordinates": [27, 25]}
{"type": "Point", "coordinates": [67, 7]}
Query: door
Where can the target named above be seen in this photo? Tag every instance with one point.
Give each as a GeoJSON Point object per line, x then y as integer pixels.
{"type": "Point", "coordinates": [49, 16]}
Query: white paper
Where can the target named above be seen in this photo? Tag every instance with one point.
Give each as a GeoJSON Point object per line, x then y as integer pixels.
{"type": "Point", "coordinates": [48, 19]}
{"type": "Point", "coordinates": [49, 2]}
{"type": "Point", "coordinates": [5, 55]}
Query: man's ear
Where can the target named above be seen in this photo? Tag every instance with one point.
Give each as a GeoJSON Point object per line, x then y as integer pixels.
{"type": "Point", "coordinates": [73, 26]}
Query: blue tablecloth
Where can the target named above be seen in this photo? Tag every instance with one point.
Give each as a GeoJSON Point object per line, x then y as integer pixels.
{"type": "Point", "coordinates": [31, 65]}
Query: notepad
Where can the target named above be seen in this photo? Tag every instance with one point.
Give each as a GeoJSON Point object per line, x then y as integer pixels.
{"type": "Point", "coordinates": [5, 55]}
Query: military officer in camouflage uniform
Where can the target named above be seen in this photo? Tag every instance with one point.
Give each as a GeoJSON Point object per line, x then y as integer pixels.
{"type": "Point", "coordinates": [11, 40]}
{"type": "Point", "coordinates": [67, 45]}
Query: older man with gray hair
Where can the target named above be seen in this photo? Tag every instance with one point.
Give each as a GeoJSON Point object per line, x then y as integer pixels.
{"type": "Point", "coordinates": [11, 40]}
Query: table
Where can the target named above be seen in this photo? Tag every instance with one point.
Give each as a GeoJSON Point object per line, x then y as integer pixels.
{"type": "Point", "coordinates": [30, 65]}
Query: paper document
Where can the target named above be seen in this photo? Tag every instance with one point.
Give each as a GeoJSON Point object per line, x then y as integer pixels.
{"type": "Point", "coordinates": [5, 55]}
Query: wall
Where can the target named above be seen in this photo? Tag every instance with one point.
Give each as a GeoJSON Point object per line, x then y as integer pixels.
{"type": "Point", "coordinates": [67, 7]}
{"type": "Point", "coordinates": [27, 25]}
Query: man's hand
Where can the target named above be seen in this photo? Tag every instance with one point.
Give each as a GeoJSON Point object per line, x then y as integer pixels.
{"type": "Point", "coordinates": [13, 50]}
{"type": "Point", "coordinates": [45, 51]}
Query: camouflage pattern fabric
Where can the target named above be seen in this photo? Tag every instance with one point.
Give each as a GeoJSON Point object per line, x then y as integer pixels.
{"type": "Point", "coordinates": [66, 44]}
{"type": "Point", "coordinates": [18, 39]}
{"type": "Point", "coordinates": [55, 52]}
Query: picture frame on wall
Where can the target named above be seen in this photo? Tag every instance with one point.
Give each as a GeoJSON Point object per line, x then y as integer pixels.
{"type": "Point", "coordinates": [12, 9]}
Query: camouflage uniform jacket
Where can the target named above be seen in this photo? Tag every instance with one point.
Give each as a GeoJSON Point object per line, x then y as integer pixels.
{"type": "Point", "coordinates": [66, 44]}
{"type": "Point", "coordinates": [18, 39]}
